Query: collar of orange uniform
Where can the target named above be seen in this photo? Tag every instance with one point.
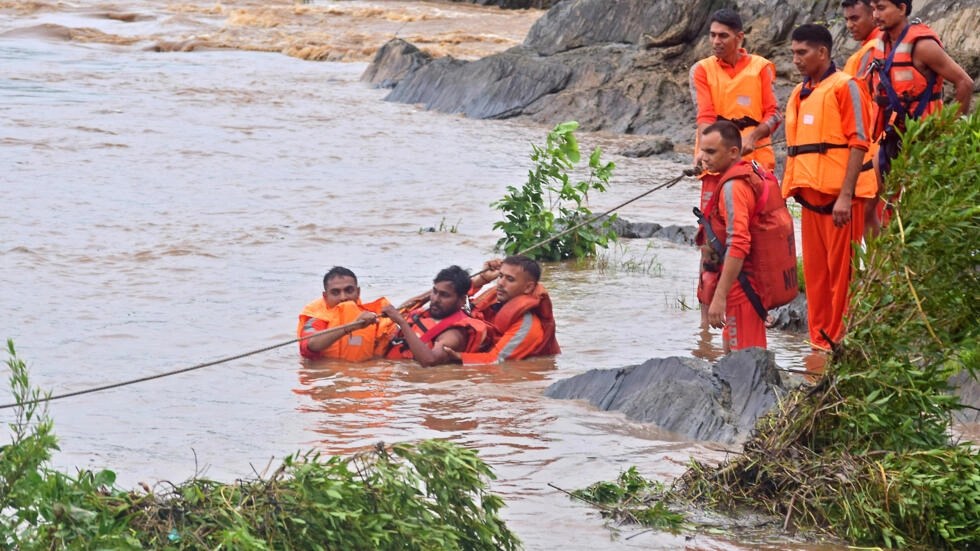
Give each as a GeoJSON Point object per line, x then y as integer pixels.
{"type": "Point", "coordinates": [872, 36]}
{"type": "Point", "coordinates": [740, 61]}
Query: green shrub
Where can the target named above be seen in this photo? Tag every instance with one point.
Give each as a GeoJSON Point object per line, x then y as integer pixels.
{"type": "Point", "coordinates": [424, 496]}
{"type": "Point", "coordinates": [866, 453]}
{"type": "Point", "coordinates": [550, 203]}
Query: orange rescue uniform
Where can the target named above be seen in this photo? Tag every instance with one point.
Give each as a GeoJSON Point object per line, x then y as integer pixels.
{"type": "Point", "coordinates": [820, 130]}
{"type": "Point", "coordinates": [522, 327]}
{"type": "Point", "coordinates": [730, 215]}
{"type": "Point", "coordinates": [859, 67]}
{"type": "Point", "coordinates": [744, 93]}
{"type": "Point", "coordinates": [359, 344]}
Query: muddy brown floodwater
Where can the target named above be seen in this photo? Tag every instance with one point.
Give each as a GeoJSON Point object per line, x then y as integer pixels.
{"type": "Point", "coordinates": [174, 188]}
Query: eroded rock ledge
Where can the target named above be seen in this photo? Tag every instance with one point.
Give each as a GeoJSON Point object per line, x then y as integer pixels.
{"type": "Point", "coordinates": [622, 65]}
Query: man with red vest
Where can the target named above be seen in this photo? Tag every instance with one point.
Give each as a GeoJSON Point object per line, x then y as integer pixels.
{"type": "Point", "coordinates": [910, 65]}
{"type": "Point", "coordinates": [428, 333]}
{"type": "Point", "coordinates": [738, 86]}
{"type": "Point", "coordinates": [341, 305]}
{"type": "Point", "coordinates": [728, 216]}
{"type": "Point", "coordinates": [827, 126]}
{"type": "Point", "coordinates": [519, 313]}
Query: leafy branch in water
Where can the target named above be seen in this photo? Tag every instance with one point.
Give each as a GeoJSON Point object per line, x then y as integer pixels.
{"type": "Point", "coordinates": [429, 495]}
{"type": "Point", "coordinates": [866, 454]}
{"type": "Point", "coordinates": [550, 202]}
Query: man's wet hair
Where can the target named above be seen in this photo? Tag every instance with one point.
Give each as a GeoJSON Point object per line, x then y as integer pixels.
{"type": "Point", "coordinates": [852, 3]}
{"type": "Point", "coordinates": [338, 271]}
{"type": "Point", "coordinates": [727, 17]}
{"type": "Point", "coordinates": [814, 35]}
{"type": "Point", "coordinates": [526, 263]}
{"type": "Point", "coordinates": [459, 277]}
{"type": "Point", "coordinates": [730, 135]}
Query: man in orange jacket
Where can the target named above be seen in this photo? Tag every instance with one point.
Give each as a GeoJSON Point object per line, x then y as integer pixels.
{"type": "Point", "coordinates": [827, 126]}
{"type": "Point", "coordinates": [519, 313]}
{"type": "Point", "coordinates": [729, 216]}
{"type": "Point", "coordinates": [738, 86]}
{"type": "Point", "coordinates": [444, 325]}
{"type": "Point", "coordinates": [858, 16]}
{"type": "Point", "coordinates": [341, 305]}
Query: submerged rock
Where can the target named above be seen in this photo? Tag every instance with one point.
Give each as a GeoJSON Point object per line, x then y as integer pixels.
{"type": "Point", "coordinates": [690, 397]}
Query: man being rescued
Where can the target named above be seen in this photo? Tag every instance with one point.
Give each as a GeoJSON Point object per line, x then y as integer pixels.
{"type": "Point", "coordinates": [428, 334]}
{"type": "Point", "coordinates": [518, 311]}
{"type": "Point", "coordinates": [340, 305]}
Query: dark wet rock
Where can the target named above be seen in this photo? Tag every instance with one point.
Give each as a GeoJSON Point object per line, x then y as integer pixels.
{"type": "Point", "coordinates": [682, 235]}
{"type": "Point", "coordinates": [393, 62]}
{"type": "Point", "coordinates": [687, 396]}
{"type": "Point", "coordinates": [634, 230]}
{"type": "Point", "coordinates": [579, 23]}
{"type": "Point", "coordinates": [622, 65]}
{"type": "Point", "coordinates": [652, 146]}
{"type": "Point", "coordinates": [494, 87]}
{"type": "Point", "coordinates": [792, 316]}
{"type": "Point", "coordinates": [513, 4]}
{"type": "Point", "coordinates": [968, 390]}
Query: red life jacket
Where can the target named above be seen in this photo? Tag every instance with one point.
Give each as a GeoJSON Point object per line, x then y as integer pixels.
{"type": "Point", "coordinates": [538, 302]}
{"type": "Point", "coordinates": [428, 330]}
{"type": "Point", "coordinates": [770, 267]}
{"type": "Point", "coordinates": [901, 91]}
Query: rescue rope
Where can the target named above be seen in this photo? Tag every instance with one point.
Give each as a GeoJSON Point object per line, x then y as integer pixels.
{"type": "Point", "coordinates": [348, 326]}
{"type": "Point", "coordinates": [422, 298]}
{"type": "Point", "coordinates": [345, 327]}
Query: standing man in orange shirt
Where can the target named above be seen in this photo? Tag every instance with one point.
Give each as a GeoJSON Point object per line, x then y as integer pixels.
{"type": "Point", "coordinates": [827, 125]}
{"type": "Point", "coordinates": [858, 16]}
{"type": "Point", "coordinates": [861, 24]}
{"type": "Point", "coordinates": [737, 86]}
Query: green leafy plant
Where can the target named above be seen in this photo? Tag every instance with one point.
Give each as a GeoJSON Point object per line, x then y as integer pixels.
{"type": "Point", "coordinates": [550, 202]}
{"type": "Point", "coordinates": [866, 453]}
{"type": "Point", "coordinates": [632, 497]}
{"type": "Point", "coordinates": [429, 495]}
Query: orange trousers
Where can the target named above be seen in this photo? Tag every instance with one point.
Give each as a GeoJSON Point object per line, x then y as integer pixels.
{"type": "Point", "coordinates": [828, 266]}
{"type": "Point", "coordinates": [743, 326]}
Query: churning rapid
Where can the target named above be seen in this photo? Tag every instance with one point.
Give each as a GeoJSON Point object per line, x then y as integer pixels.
{"type": "Point", "coordinates": [175, 187]}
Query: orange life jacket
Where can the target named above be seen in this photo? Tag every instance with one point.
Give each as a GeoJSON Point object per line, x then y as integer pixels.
{"type": "Point", "coordinates": [360, 344]}
{"type": "Point", "coordinates": [768, 274]}
{"type": "Point", "coordinates": [537, 302]}
{"type": "Point", "coordinates": [739, 99]}
{"type": "Point", "coordinates": [817, 147]}
{"type": "Point", "coordinates": [859, 64]}
{"type": "Point", "coordinates": [428, 329]}
{"type": "Point", "coordinates": [901, 91]}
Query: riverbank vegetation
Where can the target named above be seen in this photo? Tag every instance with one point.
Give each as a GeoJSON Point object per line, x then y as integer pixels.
{"type": "Point", "coordinates": [428, 495]}
{"type": "Point", "coordinates": [539, 217]}
{"type": "Point", "coordinates": [866, 454]}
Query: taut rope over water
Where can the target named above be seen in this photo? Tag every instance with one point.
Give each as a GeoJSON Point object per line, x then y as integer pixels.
{"type": "Point", "coordinates": [416, 300]}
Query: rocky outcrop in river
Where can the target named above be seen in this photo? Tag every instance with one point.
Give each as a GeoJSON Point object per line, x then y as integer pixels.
{"type": "Point", "coordinates": [691, 397]}
{"type": "Point", "coordinates": [622, 65]}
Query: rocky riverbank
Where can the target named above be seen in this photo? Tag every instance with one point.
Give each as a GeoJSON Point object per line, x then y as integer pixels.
{"type": "Point", "coordinates": [622, 66]}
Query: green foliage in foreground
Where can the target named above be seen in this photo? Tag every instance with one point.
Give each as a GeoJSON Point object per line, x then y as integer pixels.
{"type": "Point", "coordinates": [431, 495]}
{"type": "Point", "coordinates": [633, 498]}
{"type": "Point", "coordinates": [550, 202]}
{"type": "Point", "coordinates": [866, 453]}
